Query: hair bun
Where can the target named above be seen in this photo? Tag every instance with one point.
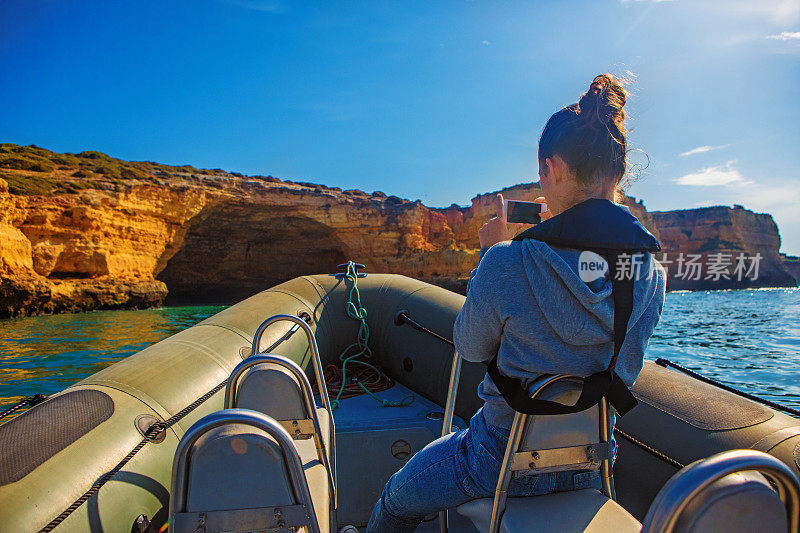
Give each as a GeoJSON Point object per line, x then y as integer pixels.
{"type": "Point", "coordinates": [603, 104]}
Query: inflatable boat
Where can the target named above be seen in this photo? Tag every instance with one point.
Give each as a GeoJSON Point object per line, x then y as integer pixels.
{"type": "Point", "coordinates": [239, 424]}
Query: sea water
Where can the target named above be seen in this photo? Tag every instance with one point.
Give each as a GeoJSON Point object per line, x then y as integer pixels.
{"type": "Point", "coordinates": [749, 339]}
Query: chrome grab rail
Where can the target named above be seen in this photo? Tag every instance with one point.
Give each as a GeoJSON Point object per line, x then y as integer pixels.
{"type": "Point", "coordinates": [452, 390]}
{"type": "Point", "coordinates": [180, 465]}
{"type": "Point", "coordinates": [696, 477]}
{"type": "Point", "coordinates": [308, 400]}
{"type": "Point", "coordinates": [447, 420]}
{"type": "Point", "coordinates": [318, 373]}
{"type": "Point", "coordinates": [515, 437]}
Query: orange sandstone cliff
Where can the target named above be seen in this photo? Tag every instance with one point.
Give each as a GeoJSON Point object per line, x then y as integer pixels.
{"type": "Point", "coordinates": [87, 231]}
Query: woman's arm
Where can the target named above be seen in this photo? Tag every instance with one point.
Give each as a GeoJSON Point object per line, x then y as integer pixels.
{"type": "Point", "coordinates": [479, 325]}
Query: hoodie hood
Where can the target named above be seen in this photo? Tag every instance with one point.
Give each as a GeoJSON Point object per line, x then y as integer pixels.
{"type": "Point", "coordinates": [551, 252]}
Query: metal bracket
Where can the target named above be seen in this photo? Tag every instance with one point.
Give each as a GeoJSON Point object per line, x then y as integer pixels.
{"type": "Point", "coordinates": [259, 519]}
{"type": "Point", "coordinates": [535, 460]}
{"type": "Point", "coordinates": [299, 429]}
{"type": "Point", "coordinates": [343, 274]}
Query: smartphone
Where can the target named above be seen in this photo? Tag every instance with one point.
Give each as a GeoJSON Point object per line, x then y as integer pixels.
{"type": "Point", "coordinates": [518, 211]}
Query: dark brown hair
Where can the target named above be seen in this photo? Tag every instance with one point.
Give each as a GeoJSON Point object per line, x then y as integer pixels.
{"type": "Point", "coordinates": [590, 135]}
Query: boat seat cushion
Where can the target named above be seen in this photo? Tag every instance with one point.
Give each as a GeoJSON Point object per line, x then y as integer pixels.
{"type": "Point", "coordinates": [240, 467]}
{"type": "Point", "coordinates": [579, 510]}
{"type": "Point", "coordinates": [738, 502]}
{"type": "Point", "coordinates": [271, 389]}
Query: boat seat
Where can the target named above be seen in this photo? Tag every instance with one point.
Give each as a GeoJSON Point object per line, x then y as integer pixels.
{"type": "Point", "coordinates": [743, 501]}
{"type": "Point", "coordinates": [541, 444]}
{"type": "Point", "coordinates": [276, 386]}
{"type": "Point", "coordinates": [239, 467]}
{"type": "Point", "coordinates": [728, 491]}
{"type": "Point", "coordinates": [230, 475]}
{"type": "Point", "coordinates": [579, 510]}
{"type": "Point", "coordinates": [275, 391]}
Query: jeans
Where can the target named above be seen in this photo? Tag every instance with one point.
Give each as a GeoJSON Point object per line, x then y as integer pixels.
{"type": "Point", "coordinates": [455, 469]}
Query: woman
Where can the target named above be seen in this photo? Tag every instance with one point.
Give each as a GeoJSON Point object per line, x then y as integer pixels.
{"type": "Point", "coordinates": [528, 305]}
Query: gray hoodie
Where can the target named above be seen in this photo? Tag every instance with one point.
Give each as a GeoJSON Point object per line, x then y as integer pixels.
{"type": "Point", "coordinates": [527, 303]}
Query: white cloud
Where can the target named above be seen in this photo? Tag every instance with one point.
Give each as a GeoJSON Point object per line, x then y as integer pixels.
{"type": "Point", "coordinates": [785, 36]}
{"type": "Point", "coordinates": [702, 150]}
{"type": "Point", "coordinates": [714, 176]}
{"type": "Point", "coordinates": [778, 12]}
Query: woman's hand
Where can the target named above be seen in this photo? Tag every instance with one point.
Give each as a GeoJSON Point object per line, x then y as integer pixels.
{"type": "Point", "coordinates": [498, 229]}
{"type": "Point", "coordinates": [547, 214]}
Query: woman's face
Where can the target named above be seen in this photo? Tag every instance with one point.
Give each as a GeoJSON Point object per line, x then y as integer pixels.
{"type": "Point", "coordinates": [558, 184]}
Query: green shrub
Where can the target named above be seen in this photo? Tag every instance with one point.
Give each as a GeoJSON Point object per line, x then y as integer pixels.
{"type": "Point", "coordinates": [133, 174]}
{"type": "Point", "coordinates": [22, 162]}
{"type": "Point", "coordinates": [93, 154]}
{"type": "Point", "coordinates": [29, 185]}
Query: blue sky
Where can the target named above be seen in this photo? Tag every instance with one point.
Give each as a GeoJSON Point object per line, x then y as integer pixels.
{"type": "Point", "coordinates": [437, 101]}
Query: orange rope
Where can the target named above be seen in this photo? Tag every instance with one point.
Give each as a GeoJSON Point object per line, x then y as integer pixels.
{"type": "Point", "coordinates": [374, 380]}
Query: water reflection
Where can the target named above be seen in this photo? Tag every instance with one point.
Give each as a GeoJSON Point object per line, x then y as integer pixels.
{"type": "Point", "coordinates": [48, 353]}
{"type": "Point", "coordinates": [749, 339]}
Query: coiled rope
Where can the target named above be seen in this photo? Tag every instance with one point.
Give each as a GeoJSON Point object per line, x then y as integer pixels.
{"type": "Point", "coordinates": [374, 377]}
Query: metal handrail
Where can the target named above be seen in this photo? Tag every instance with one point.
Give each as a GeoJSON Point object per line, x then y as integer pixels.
{"type": "Point", "coordinates": [447, 420]}
{"type": "Point", "coordinates": [308, 400]}
{"type": "Point", "coordinates": [180, 465]}
{"type": "Point", "coordinates": [606, 431]}
{"type": "Point", "coordinates": [692, 480]}
{"type": "Point", "coordinates": [515, 437]}
{"type": "Point", "coordinates": [316, 362]}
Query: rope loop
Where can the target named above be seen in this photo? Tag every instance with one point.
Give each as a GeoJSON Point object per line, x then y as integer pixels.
{"type": "Point", "coordinates": [376, 378]}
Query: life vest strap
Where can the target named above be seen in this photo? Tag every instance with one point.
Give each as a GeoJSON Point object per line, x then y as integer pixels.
{"type": "Point", "coordinates": [602, 384]}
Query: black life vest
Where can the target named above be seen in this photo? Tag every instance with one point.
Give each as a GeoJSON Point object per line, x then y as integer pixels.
{"type": "Point", "coordinates": [608, 230]}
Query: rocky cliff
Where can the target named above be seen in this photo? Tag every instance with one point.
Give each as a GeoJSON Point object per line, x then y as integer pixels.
{"type": "Point", "coordinates": [792, 265]}
{"type": "Point", "coordinates": [721, 248]}
{"type": "Point", "coordinates": [87, 231]}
